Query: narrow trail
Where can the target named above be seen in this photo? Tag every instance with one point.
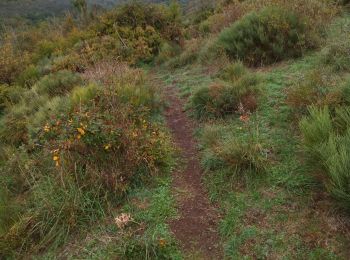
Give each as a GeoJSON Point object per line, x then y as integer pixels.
{"type": "Point", "coordinates": [196, 228]}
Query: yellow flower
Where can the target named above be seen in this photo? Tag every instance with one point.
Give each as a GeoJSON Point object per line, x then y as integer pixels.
{"type": "Point", "coordinates": [81, 131]}
{"type": "Point", "coordinates": [56, 159]}
{"type": "Point", "coordinates": [108, 146]}
{"type": "Point", "coordinates": [47, 128]}
{"type": "Point", "coordinates": [162, 242]}
{"type": "Point", "coordinates": [78, 137]}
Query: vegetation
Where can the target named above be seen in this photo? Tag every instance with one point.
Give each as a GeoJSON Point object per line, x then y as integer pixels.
{"type": "Point", "coordinates": [270, 35]}
{"type": "Point", "coordinates": [239, 94]}
{"type": "Point", "coordinates": [84, 143]}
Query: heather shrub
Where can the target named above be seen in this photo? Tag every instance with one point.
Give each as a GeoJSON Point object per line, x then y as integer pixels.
{"type": "Point", "coordinates": [265, 37]}
{"type": "Point", "coordinates": [221, 98]}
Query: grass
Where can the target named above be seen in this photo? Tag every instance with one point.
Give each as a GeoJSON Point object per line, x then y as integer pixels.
{"type": "Point", "coordinates": [147, 236]}
{"type": "Point", "coordinates": [283, 213]}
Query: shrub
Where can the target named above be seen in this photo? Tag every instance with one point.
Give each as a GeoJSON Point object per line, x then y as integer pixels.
{"type": "Point", "coordinates": [87, 149]}
{"type": "Point", "coordinates": [12, 63]}
{"type": "Point", "coordinates": [58, 83]}
{"type": "Point", "coordinates": [29, 76]}
{"type": "Point", "coordinates": [337, 54]}
{"type": "Point", "coordinates": [188, 56]}
{"type": "Point", "coordinates": [316, 13]}
{"type": "Point", "coordinates": [219, 99]}
{"type": "Point", "coordinates": [167, 51]}
{"type": "Point", "coordinates": [318, 87]}
{"type": "Point", "coordinates": [9, 95]}
{"type": "Point", "coordinates": [270, 35]}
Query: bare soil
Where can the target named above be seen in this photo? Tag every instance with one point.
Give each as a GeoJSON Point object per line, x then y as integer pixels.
{"type": "Point", "coordinates": [196, 228]}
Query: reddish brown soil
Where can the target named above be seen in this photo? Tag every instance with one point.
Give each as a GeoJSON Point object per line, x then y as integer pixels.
{"type": "Point", "coordinates": [196, 228]}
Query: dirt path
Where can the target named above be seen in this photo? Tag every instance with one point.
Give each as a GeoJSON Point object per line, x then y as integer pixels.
{"type": "Point", "coordinates": [196, 228]}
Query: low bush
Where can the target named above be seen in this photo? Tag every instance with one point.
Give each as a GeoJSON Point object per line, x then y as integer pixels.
{"type": "Point", "coordinates": [11, 63]}
{"type": "Point", "coordinates": [29, 76]}
{"type": "Point", "coordinates": [317, 13]}
{"type": "Point", "coordinates": [55, 84]}
{"type": "Point", "coordinates": [337, 53]}
{"type": "Point", "coordinates": [167, 51]}
{"type": "Point", "coordinates": [84, 150]}
{"type": "Point", "coordinates": [188, 56]}
{"type": "Point", "coordinates": [317, 87]}
{"type": "Point", "coordinates": [265, 37]}
{"type": "Point", "coordinates": [9, 95]}
{"type": "Point", "coordinates": [222, 98]}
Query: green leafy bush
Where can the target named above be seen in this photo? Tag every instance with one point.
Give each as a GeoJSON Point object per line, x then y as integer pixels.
{"type": "Point", "coordinates": [221, 98]}
{"type": "Point", "coordinates": [268, 36]}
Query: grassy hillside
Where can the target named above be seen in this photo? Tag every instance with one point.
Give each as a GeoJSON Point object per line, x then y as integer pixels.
{"type": "Point", "coordinates": [147, 131]}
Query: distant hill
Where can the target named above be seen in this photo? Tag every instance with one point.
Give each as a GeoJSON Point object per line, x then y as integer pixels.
{"type": "Point", "coordinates": [38, 9]}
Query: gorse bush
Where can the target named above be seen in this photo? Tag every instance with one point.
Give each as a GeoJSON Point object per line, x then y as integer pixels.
{"type": "Point", "coordinates": [86, 150]}
{"type": "Point", "coordinates": [268, 36]}
{"type": "Point", "coordinates": [222, 98]}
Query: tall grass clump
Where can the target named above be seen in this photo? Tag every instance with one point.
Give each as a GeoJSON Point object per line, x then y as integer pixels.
{"type": "Point", "coordinates": [265, 37]}
{"type": "Point", "coordinates": [326, 139]}
{"type": "Point", "coordinates": [240, 91]}
{"type": "Point", "coordinates": [233, 156]}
